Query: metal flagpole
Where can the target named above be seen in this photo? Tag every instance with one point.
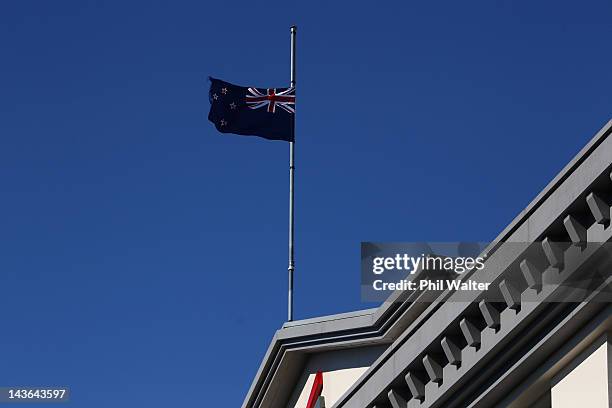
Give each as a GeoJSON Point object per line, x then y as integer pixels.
{"type": "Point", "coordinates": [291, 175]}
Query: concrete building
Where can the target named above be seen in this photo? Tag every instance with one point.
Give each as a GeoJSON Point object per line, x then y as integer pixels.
{"type": "Point", "coordinates": [527, 351]}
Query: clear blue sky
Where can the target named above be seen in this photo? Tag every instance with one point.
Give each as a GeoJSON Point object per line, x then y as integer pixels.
{"type": "Point", "coordinates": [143, 255]}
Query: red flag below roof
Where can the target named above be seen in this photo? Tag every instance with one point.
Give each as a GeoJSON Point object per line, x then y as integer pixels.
{"type": "Point", "coordinates": [315, 392]}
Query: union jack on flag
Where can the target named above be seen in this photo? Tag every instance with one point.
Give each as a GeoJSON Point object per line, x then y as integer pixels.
{"type": "Point", "coordinates": [256, 99]}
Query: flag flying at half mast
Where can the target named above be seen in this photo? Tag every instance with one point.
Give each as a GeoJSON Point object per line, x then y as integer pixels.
{"type": "Point", "coordinates": [264, 112]}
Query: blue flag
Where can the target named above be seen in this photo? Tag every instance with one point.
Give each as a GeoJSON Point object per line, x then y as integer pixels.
{"type": "Point", "coordinates": [264, 112]}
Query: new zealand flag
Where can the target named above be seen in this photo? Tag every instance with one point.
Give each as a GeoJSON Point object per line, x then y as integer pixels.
{"type": "Point", "coordinates": [265, 112]}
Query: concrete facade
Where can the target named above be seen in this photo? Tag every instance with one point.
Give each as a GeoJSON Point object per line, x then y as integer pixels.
{"type": "Point", "coordinates": [585, 381]}
{"type": "Point", "coordinates": [433, 349]}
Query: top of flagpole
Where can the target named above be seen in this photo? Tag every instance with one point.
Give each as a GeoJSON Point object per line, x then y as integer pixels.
{"type": "Point", "coordinates": [293, 35]}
